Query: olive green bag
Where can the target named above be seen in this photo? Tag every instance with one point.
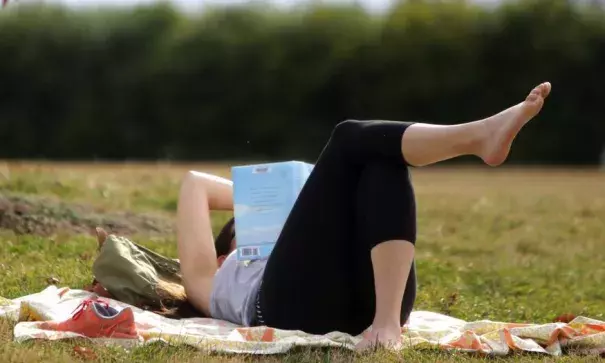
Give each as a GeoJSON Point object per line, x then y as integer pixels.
{"type": "Point", "coordinates": [132, 273]}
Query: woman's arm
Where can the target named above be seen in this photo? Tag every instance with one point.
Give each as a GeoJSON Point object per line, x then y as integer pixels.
{"type": "Point", "coordinates": [219, 190]}
{"type": "Point", "coordinates": [199, 194]}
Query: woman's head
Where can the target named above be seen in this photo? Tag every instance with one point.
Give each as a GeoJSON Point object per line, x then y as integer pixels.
{"type": "Point", "coordinates": [225, 241]}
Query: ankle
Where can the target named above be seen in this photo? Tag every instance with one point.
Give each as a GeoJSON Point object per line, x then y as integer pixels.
{"type": "Point", "coordinates": [386, 322]}
{"type": "Point", "coordinates": [479, 135]}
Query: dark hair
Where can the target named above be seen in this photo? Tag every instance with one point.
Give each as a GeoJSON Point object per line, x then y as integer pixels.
{"type": "Point", "coordinates": [222, 243]}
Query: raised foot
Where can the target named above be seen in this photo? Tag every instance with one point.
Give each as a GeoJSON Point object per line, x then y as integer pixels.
{"type": "Point", "coordinates": [501, 129]}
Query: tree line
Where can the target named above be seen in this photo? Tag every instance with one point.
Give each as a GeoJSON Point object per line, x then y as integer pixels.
{"type": "Point", "coordinates": [255, 82]}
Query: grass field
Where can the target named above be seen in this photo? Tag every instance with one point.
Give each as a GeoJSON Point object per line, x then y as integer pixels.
{"type": "Point", "coordinates": [501, 244]}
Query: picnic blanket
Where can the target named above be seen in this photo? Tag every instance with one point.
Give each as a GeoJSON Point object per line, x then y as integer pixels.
{"type": "Point", "coordinates": [424, 330]}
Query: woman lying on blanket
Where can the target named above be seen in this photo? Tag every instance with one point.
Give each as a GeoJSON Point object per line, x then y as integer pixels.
{"type": "Point", "coordinates": [344, 260]}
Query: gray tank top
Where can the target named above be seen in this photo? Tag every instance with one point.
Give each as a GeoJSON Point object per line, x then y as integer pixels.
{"type": "Point", "coordinates": [235, 288]}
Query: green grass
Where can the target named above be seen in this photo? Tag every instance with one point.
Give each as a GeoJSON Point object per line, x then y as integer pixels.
{"type": "Point", "coordinates": [508, 245]}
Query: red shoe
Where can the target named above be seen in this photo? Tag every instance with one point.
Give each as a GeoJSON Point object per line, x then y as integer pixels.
{"type": "Point", "coordinates": [96, 319]}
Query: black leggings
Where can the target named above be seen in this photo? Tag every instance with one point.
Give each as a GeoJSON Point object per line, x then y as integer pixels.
{"type": "Point", "coordinates": [319, 277]}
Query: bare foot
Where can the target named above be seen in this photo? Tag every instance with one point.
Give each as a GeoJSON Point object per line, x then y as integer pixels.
{"type": "Point", "coordinates": [503, 127]}
{"type": "Point", "coordinates": [388, 337]}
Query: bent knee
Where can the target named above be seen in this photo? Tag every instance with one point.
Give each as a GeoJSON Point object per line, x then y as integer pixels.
{"type": "Point", "coordinates": [346, 133]}
{"type": "Point", "coordinates": [346, 127]}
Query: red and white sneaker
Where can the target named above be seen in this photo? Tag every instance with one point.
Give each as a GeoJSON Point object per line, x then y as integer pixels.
{"type": "Point", "coordinates": [94, 318]}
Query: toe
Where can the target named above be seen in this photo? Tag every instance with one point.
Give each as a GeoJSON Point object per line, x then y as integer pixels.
{"type": "Point", "coordinates": [541, 91]}
{"type": "Point", "coordinates": [545, 89]}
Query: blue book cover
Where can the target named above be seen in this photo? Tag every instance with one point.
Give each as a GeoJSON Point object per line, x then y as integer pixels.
{"type": "Point", "coordinates": [263, 196]}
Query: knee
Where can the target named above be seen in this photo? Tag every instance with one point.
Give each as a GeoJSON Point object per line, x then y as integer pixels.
{"type": "Point", "coordinates": [346, 127]}
{"type": "Point", "coordinates": [346, 131]}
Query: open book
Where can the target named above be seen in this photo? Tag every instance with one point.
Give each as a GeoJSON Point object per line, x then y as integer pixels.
{"type": "Point", "coordinates": [263, 196]}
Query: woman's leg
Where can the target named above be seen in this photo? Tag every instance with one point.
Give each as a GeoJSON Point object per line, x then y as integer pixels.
{"type": "Point", "coordinates": [385, 237]}
{"type": "Point", "coordinates": [422, 144]}
{"type": "Point", "coordinates": [309, 283]}
{"type": "Point", "coordinates": [490, 138]}
{"type": "Point", "coordinates": [200, 193]}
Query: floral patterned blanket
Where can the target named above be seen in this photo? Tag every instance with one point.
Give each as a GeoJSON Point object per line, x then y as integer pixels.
{"type": "Point", "coordinates": [425, 329]}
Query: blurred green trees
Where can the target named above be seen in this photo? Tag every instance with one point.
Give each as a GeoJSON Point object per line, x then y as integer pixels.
{"type": "Point", "coordinates": [251, 82]}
